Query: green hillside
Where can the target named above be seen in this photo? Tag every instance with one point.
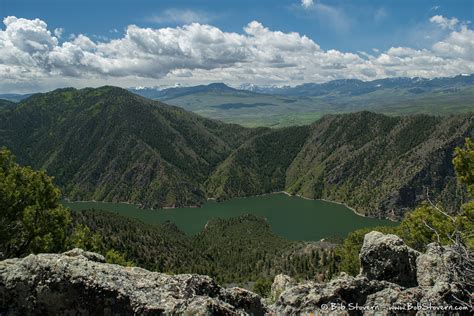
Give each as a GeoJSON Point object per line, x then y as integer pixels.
{"type": "Point", "coordinates": [5, 104]}
{"type": "Point", "coordinates": [238, 249]}
{"type": "Point", "coordinates": [259, 165]}
{"type": "Point", "coordinates": [380, 165]}
{"type": "Point", "coordinates": [108, 144]}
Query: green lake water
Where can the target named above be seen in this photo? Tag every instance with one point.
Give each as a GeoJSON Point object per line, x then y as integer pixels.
{"type": "Point", "coordinates": [290, 217]}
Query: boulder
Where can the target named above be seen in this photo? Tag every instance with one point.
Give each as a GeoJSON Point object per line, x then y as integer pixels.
{"type": "Point", "coordinates": [395, 298]}
{"type": "Point", "coordinates": [424, 299]}
{"type": "Point", "coordinates": [281, 282]}
{"type": "Point", "coordinates": [79, 283]}
{"type": "Point", "coordinates": [248, 301]}
{"type": "Point", "coordinates": [388, 280]}
{"type": "Point", "coordinates": [311, 297]}
{"type": "Point", "coordinates": [437, 264]}
{"type": "Point", "coordinates": [386, 257]}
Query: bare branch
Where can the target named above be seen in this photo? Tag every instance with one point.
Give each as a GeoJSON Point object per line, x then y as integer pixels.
{"type": "Point", "coordinates": [437, 208]}
{"type": "Point", "coordinates": [434, 230]}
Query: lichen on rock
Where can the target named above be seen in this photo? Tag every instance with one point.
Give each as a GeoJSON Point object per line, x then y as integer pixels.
{"type": "Point", "coordinates": [79, 282]}
{"type": "Point", "coordinates": [386, 257]}
{"type": "Point", "coordinates": [392, 275]}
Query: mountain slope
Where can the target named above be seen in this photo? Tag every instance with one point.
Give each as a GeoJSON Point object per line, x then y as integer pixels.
{"type": "Point", "coordinates": [109, 144]}
{"type": "Point", "coordinates": [170, 93]}
{"type": "Point", "coordinates": [259, 165]}
{"type": "Point", "coordinates": [5, 104]}
{"type": "Point", "coordinates": [377, 164]}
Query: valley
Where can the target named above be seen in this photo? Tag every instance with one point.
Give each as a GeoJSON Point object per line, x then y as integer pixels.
{"type": "Point", "coordinates": [108, 144]}
{"type": "Point", "coordinates": [292, 218]}
{"type": "Point", "coordinates": [253, 106]}
{"type": "Point", "coordinates": [294, 157]}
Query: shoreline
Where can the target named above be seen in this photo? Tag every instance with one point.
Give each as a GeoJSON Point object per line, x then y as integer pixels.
{"type": "Point", "coordinates": [329, 201]}
{"type": "Point", "coordinates": [140, 206]}
{"type": "Point", "coordinates": [304, 198]}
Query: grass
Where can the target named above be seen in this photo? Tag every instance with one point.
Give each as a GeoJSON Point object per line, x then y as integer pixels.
{"type": "Point", "coordinates": [286, 111]}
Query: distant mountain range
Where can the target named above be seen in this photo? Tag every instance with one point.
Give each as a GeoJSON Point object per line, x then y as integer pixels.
{"type": "Point", "coordinates": [253, 106]}
{"type": "Point", "coordinates": [343, 86]}
{"type": "Point", "coordinates": [13, 97]}
{"type": "Point", "coordinates": [356, 87]}
{"type": "Point", "coordinates": [108, 144]}
{"type": "Point", "coordinates": [175, 92]}
{"type": "Point", "coordinates": [284, 106]}
{"type": "Point", "coordinates": [353, 87]}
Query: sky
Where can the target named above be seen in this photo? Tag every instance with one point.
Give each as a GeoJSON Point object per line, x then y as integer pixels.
{"type": "Point", "coordinates": [56, 43]}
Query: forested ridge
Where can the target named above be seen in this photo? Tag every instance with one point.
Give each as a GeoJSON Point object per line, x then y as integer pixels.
{"type": "Point", "coordinates": [107, 144]}
{"type": "Point", "coordinates": [235, 250]}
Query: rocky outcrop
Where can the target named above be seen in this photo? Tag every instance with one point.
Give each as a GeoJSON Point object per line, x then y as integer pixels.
{"type": "Point", "coordinates": [436, 265]}
{"type": "Point", "coordinates": [311, 296]}
{"type": "Point", "coordinates": [79, 282]}
{"type": "Point", "coordinates": [394, 279]}
{"type": "Point", "coordinates": [281, 282]}
{"type": "Point", "coordinates": [386, 257]}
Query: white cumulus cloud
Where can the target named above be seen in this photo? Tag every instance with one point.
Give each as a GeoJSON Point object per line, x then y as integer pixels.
{"type": "Point", "coordinates": [32, 58]}
{"type": "Point", "coordinates": [444, 22]}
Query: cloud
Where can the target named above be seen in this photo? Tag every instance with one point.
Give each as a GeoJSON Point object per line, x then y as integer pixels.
{"type": "Point", "coordinates": [307, 3]}
{"type": "Point", "coordinates": [458, 44]}
{"type": "Point", "coordinates": [444, 23]}
{"type": "Point", "coordinates": [32, 58]}
{"type": "Point", "coordinates": [58, 32]}
{"type": "Point", "coordinates": [178, 16]}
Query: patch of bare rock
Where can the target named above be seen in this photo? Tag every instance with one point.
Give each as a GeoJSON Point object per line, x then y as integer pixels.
{"type": "Point", "coordinates": [394, 280]}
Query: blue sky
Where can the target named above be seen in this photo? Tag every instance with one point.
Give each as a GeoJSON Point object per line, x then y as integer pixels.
{"type": "Point", "coordinates": [347, 27]}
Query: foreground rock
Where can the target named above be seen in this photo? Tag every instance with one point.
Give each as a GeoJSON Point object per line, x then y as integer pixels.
{"type": "Point", "coordinates": [79, 282]}
{"type": "Point", "coordinates": [310, 297]}
{"type": "Point", "coordinates": [436, 265]}
{"type": "Point", "coordinates": [394, 279]}
{"type": "Point", "coordinates": [386, 257]}
{"type": "Point", "coordinates": [281, 282]}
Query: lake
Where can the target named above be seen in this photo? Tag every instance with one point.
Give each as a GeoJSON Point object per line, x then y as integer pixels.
{"type": "Point", "coordinates": [290, 217]}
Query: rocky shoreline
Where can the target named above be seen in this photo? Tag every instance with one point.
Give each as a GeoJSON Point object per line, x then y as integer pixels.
{"type": "Point", "coordinates": [394, 279]}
